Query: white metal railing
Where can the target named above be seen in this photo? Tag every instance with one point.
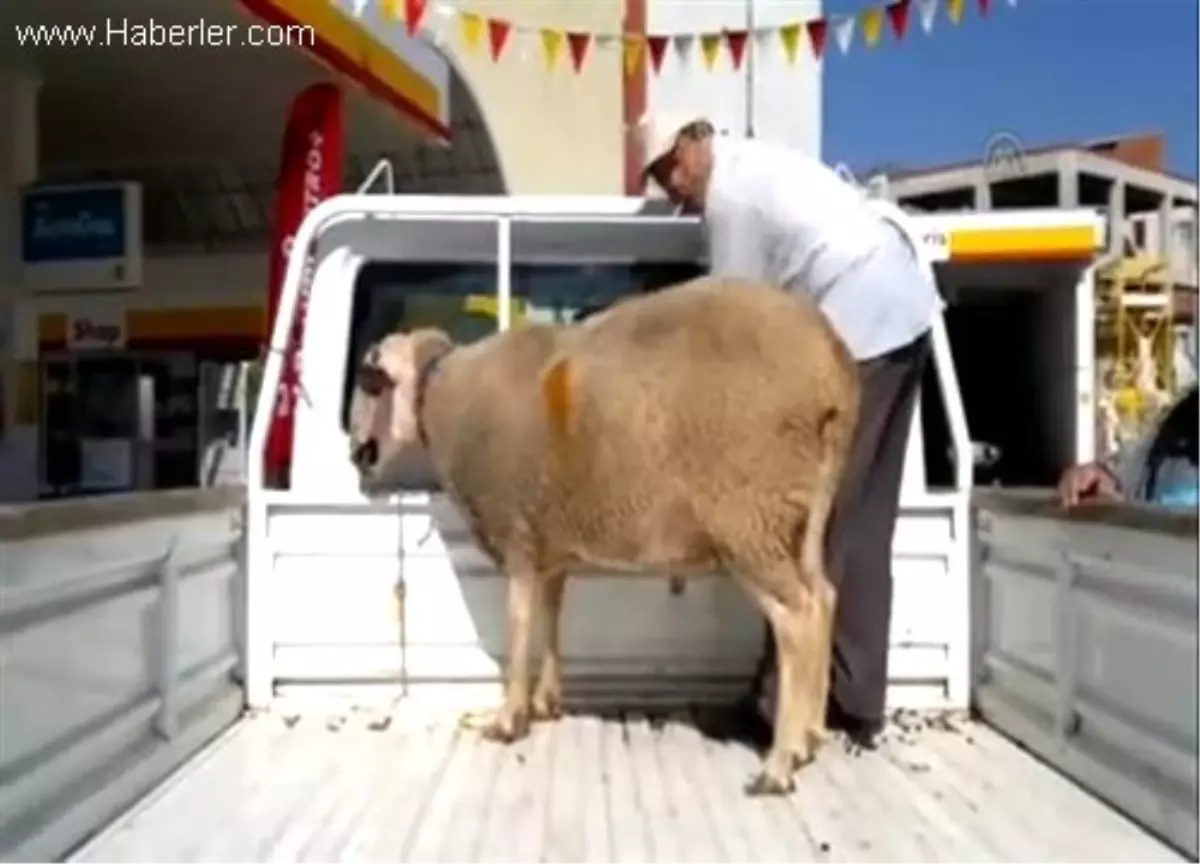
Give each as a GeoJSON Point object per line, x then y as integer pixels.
{"type": "Point", "coordinates": [335, 211]}
{"type": "Point", "coordinates": [340, 210]}
{"type": "Point", "coordinates": [958, 672]}
{"type": "Point", "coordinates": [344, 209]}
{"type": "Point", "coordinates": [383, 168]}
{"type": "Point", "coordinates": [943, 359]}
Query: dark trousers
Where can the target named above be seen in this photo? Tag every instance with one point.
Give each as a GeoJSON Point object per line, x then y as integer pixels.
{"type": "Point", "coordinates": [858, 542]}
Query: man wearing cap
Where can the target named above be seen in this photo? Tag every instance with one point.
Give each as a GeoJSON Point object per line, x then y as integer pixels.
{"type": "Point", "coordinates": [777, 215]}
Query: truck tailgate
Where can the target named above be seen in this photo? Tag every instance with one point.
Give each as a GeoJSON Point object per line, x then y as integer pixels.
{"type": "Point", "coordinates": [412, 786]}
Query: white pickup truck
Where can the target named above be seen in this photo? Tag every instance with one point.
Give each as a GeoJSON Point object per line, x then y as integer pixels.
{"type": "Point", "coordinates": [254, 674]}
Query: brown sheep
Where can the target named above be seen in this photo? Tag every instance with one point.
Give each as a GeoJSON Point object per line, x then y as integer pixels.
{"type": "Point", "coordinates": [703, 426]}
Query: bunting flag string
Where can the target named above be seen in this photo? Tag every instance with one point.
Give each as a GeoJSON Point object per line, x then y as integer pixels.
{"type": "Point", "coordinates": [726, 48]}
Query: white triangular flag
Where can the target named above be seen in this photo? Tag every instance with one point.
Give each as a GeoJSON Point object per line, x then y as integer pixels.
{"type": "Point", "coordinates": [843, 31]}
{"type": "Point", "coordinates": [927, 10]}
{"type": "Point", "coordinates": [528, 42]}
{"type": "Point", "coordinates": [684, 43]}
{"type": "Point", "coordinates": [438, 24]}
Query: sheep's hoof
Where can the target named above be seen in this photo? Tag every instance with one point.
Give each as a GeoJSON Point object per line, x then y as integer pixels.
{"type": "Point", "coordinates": [767, 784]}
{"type": "Point", "coordinates": [547, 706]}
{"type": "Point", "coordinates": [507, 727]}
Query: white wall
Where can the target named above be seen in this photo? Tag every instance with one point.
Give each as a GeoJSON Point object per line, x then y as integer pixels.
{"type": "Point", "coordinates": [555, 132]}
{"type": "Point", "coordinates": [786, 99]}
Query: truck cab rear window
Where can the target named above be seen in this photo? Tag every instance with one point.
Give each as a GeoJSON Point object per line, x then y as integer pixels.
{"type": "Point", "coordinates": [461, 298]}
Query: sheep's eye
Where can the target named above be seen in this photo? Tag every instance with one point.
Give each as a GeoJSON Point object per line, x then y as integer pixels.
{"type": "Point", "coordinates": [372, 380]}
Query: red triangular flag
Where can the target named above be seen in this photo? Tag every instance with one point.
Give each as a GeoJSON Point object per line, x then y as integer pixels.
{"type": "Point", "coordinates": [414, 11]}
{"type": "Point", "coordinates": [497, 36]}
{"type": "Point", "coordinates": [818, 30]}
{"type": "Point", "coordinates": [983, 7]}
{"type": "Point", "coordinates": [658, 50]}
{"type": "Point", "coordinates": [737, 46]}
{"type": "Point", "coordinates": [577, 44]}
{"type": "Point", "coordinates": [898, 15]}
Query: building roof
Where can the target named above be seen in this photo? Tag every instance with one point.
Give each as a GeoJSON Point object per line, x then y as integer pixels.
{"type": "Point", "coordinates": [1108, 148]}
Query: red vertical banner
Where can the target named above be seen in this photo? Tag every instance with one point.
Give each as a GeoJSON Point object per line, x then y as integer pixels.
{"type": "Point", "coordinates": [310, 171]}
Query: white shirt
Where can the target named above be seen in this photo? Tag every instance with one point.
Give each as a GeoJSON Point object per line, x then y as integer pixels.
{"type": "Point", "coordinates": [775, 214]}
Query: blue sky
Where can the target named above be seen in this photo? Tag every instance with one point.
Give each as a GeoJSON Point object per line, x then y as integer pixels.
{"type": "Point", "coordinates": [1045, 71]}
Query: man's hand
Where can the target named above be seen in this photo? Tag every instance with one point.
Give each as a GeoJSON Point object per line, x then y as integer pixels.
{"type": "Point", "coordinates": [1088, 482]}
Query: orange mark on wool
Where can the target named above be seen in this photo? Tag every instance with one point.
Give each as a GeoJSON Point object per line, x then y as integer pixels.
{"type": "Point", "coordinates": [557, 396]}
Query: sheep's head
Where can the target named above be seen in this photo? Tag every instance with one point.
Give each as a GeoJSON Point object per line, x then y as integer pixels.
{"type": "Point", "coordinates": [386, 404]}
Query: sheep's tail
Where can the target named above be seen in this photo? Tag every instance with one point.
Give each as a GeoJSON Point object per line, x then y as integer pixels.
{"type": "Point", "coordinates": [833, 432]}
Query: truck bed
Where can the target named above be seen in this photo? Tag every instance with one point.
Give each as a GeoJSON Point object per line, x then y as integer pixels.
{"type": "Point", "coordinates": [412, 786]}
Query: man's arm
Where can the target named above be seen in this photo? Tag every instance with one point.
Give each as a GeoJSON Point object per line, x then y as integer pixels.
{"type": "Point", "coordinates": [1116, 478]}
{"type": "Point", "coordinates": [1091, 481]}
{"type": "Point", "coordinates": [735, 242]}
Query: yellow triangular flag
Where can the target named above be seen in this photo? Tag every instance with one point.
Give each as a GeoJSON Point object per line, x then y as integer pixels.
{"type": "Point", "coordinates": [552, 41]}
{"type": "Point", "coordinates": [872, 26]}
{"type": "Point", "coordinates": [472, 30]}
{"type": "Point", "coordinates": [635, 49]}
{"type": "Point", "coordinates": [789, 35]}
{"type": "Point", "coordinates": [955, 9]}
{"type": "Point", "coordinates": [710, 44]}
{"type": "Point", "coordinates": [393, 10]}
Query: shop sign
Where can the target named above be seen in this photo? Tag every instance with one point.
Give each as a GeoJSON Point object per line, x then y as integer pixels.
{"type": "Point", "coordinates": [96, 332]}
{"type": "Point", "coordinates": [81, 237]}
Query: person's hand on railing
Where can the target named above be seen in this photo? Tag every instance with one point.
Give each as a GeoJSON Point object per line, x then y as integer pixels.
{"type": "Point", "coordinates": [1091, 481]}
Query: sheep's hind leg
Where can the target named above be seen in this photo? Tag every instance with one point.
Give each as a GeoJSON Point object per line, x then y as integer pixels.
{"type": "Point", "coordinates": [787, 603]}
{"type": "Point", "coordinates": [820, 632]}
{"type": "Point", "coordinates": [547, 697]}
{"type": "Point", "coordinates": [511, 722]}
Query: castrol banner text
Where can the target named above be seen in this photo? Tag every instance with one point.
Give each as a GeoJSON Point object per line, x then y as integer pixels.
{"type": "Point", "coordinates": [310, 171]}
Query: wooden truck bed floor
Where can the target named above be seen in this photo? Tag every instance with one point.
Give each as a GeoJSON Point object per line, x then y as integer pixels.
{"type": "Point", "coordinates": [407, 787]}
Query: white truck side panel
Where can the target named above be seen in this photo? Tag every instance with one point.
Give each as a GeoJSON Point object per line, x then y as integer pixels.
{"type": "Point", "coordinates": [117, 646]}
{"type": "Point", "coordinates": [1087, 653]}
{"type": "Point", "coordinates": [400, 594]}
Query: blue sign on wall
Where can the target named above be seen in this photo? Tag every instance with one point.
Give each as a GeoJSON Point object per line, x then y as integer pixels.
{"type": "Point", "coordinates": [73, 224]}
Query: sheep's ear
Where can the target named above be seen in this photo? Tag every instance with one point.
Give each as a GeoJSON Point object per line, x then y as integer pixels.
{"type": "Point", "coordinates": [427, 347]}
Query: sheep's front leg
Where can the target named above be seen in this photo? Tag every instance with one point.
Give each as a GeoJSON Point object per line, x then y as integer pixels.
{"type": "Point", "coordinates": [511, 722]}
{"type": "Point", "coordinates": [547, 698]}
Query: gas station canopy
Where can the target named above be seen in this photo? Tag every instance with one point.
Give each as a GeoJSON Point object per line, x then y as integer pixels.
{"type": "Point", "coordinates": [200, 126]}
{"type": "Point", "coordinates": [124, 101]}
{"type": "Point", "coordinates": [361, 40]}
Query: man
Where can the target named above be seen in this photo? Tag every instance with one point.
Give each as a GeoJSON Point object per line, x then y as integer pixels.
{"type": "Point", "coordinates": [777, 215]}
{"type": "Point", "coordinates": [1160, 468]}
